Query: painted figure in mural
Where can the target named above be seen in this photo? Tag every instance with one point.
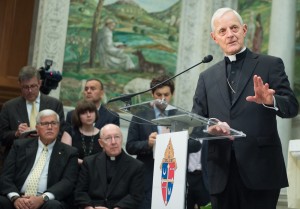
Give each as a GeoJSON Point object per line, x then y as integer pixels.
{"type": "Point", "coordinates": [258, 35]}
{"type": "Point", "coordinates": [247, 91]}
{"type": "Point", "coordinates": [112, 55]}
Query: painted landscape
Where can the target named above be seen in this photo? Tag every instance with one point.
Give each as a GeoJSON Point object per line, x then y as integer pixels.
{"type": "Point", "coordinates": [152, 37]}
{"type": "Point", "coordinates": [149, 39]}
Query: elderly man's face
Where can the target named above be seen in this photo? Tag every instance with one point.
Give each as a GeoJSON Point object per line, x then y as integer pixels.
{"type": "Point", "coordinates": [111, 140]}
{"type": "Point", "coordinates": [48, 129]}
{"type": "Point", "coordinates": [229, 33]}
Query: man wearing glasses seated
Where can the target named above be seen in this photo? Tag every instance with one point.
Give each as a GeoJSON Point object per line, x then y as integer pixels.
{"type": "Point", "coordinates": [18, 114]}
{"type": "Point", "coordinates": [110, 179]}
{"type": "Point", "coordinates": [39, 173]}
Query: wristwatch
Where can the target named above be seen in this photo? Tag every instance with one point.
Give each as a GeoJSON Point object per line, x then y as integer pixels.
{"type": "Point", "coordinates": [14, 198]}
{"type": "Point", "coordinates": [45, 197]}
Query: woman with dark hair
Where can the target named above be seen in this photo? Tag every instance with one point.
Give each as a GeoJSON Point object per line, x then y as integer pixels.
{"type": "Point", "coordinates": [82, 134]}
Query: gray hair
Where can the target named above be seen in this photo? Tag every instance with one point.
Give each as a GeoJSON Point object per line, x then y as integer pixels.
{"type": "Point", "coordinates": [220, 12]}
{"type": "Point", "coordinates": [28, 72]}
{"type": "Point", "coordinates": [46, 112]}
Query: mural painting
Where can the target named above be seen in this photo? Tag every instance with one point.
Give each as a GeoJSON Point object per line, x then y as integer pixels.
{"type": "Point", "coordinates": [122, 42]}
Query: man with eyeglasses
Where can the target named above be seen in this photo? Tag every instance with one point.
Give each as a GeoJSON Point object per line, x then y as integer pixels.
{"type": "Point", "coordinates": [94, 92]}
{"type": "Point", "coordinates": [110, 179]}
{"type": "Point", "coordinates": [18, 114]}
{"type": "Point", "coordinates": [39, 173]}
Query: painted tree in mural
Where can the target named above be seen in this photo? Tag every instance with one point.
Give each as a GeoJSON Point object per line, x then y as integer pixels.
{"type": "Point", "coordinates": [95, 28]}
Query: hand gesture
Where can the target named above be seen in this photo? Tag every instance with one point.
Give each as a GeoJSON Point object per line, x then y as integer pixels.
{"type": "Point", "coordinates": [262, 93]}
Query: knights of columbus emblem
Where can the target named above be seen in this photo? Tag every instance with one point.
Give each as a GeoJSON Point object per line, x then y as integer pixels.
{"type": "Point", "coordinates": [168, 167]}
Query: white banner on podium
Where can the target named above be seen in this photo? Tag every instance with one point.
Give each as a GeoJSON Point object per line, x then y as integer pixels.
{"type": "Point", "coordinates": [169, 178]}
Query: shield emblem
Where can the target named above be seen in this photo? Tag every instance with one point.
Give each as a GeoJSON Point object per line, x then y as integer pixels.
{"type": "Point", "coordinates": [168, 167]}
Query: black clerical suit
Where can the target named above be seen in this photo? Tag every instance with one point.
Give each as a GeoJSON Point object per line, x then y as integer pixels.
{"type": "Point", "coordinates": [257, 158]}
{"type": "Point", "coordinates": [110, 183]}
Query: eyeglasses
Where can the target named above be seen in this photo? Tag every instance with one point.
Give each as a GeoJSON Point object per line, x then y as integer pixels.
{"type": "Point", "coordinates": [31, 87]}
{"type": "Point", "coordinates": [46, 124]}
{"type": "Point", "coordinates": [109, 138]}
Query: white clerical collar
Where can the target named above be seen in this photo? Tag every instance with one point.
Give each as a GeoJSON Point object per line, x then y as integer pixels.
{"type": "Point", "coordinates": [233, 57]}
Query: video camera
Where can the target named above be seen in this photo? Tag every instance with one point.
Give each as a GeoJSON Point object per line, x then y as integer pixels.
{"type": "Point", "coordinates": [50, 78]}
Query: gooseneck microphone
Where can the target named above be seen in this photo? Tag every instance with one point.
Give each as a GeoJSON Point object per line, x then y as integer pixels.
{"type": "Point", "coordinates": [127, 97]}
{"type": "Point", "coordinates": [207, 59]}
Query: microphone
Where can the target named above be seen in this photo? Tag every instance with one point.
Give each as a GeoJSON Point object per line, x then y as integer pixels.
{"type": "Point", "coordinates": [207, 59]}
{"type": "Point", "coordinates": [127, 97]}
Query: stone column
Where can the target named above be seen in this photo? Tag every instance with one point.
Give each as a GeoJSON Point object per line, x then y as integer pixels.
{"type": "Point", "coordinates": [49, 34]}
{"type": "Point", "coordinates": [282, 44]}
{"type": "Point", "coordinates": [194, 44]}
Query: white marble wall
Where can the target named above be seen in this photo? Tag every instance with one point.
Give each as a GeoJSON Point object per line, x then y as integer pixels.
{"type": "Point", "coordinates": [282, 44]}
{"type": "Point", "coordinates": [195, 43]}
{"type": "Point", "coordinates": [49, 35]}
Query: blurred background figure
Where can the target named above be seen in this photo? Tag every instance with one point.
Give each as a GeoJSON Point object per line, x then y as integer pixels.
{"type": "Point", "coordinates": [112, 55]}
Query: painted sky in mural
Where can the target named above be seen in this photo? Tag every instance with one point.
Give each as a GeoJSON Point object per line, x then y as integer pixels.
{"type": "Point", "coordinates": [150, 5]}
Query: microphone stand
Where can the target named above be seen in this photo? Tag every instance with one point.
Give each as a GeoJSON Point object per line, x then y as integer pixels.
{"type": "Point", "coordinates": [126, 98]}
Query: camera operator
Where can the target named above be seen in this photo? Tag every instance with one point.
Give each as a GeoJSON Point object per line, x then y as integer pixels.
{"type": "Point", "coordinates": [18, 114]}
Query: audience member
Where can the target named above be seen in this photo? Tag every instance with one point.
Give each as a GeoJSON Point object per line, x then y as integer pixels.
{"type": "Point", "coordinates": [18, 115]}
{"type": "Point", "coordinates": [82, 134]}
{"type": "Point", "coordinates": [39, 172]}
{"type": "Point", "coordinates": [244, 172]}
{"type": "Point", "coordinates": [94, 92]}
{"type": "Point", "coordinates": [110, 179]}
{"type": "Point", "coordinates": [141, 136]}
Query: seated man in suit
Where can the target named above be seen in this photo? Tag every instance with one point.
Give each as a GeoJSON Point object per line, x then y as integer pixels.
{"type": "Point", "coordinates": [18, 115]}
{"type": "Point", "coordinates": [39, 172]}
{"type": "Point", "coordinates": [110, 179]}
{"type": "Point", "coordinates": [94, 91]}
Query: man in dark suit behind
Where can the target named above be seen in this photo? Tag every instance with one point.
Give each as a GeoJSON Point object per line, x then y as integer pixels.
{"type": "Point", "coordinates": [15, 113]}
{"type": "Point", "coordinates": [248, 172]}
{"type": "Point", "coordinates": [142, 134]}
{"type": "Point", "coordinates": [110, 179]}
{"type": "Point", "coordinates": [94, 91]}
{"type": "Point", "coordinates": [58, 175]}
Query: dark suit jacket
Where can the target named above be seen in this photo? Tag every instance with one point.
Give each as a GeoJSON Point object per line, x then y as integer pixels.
{"type": "Point", "coordinates": [259, 155]}
{"type": "Point", "coordinates": [14, 111]}
{"type": "Point", "coordinates": [137, 144]}
{"type": "Point", "coordinates": [126, 187]}
{"type": "Point", "coordinates": [62, 173]}
{"type": "Point", "coordinates": [105, 117]}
